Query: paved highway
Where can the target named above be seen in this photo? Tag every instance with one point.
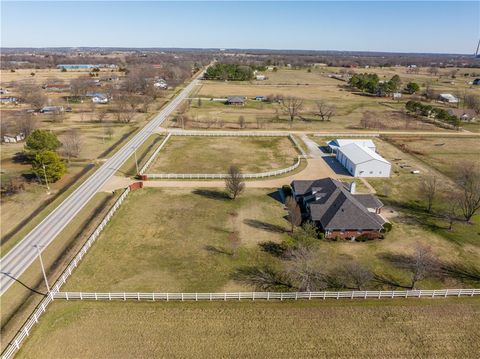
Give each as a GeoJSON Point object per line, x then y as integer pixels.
{"type": "Point", "coordinates": [20, 257]}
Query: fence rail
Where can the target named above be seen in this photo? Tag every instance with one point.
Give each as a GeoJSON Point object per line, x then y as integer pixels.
{"type": "Point", "coordinates": [222, 175]}
{"type": "Point", "coordinates": [24, 331]}
{"type": "Point", "coordinates": [137, 296]}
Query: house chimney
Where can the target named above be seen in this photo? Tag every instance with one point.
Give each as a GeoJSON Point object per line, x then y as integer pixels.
{"type": "Point", "coordinates": [353, 187]}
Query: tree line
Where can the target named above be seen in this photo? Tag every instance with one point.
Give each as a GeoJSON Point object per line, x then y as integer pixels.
{"type": "Point", "coordinates": [231, 72]}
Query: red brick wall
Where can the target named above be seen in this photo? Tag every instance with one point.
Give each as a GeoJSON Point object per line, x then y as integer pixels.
{"type": "Point", "coordinates": [350, 234]}
{"type": "Point", "coordinates": [136, 185]}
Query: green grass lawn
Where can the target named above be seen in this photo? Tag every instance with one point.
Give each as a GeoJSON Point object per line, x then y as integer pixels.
{"type": "Point", "coordinates": [180, 240]}
{"type": "Point", "coordinates": [186, 154]}
{"type": "Point", "coordinates": [425, 328]}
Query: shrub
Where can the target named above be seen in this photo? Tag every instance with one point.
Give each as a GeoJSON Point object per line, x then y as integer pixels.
{"type": "Point", "coordinates": [387, 227]}
{"type": "Point", "coordinates": [287, 190]}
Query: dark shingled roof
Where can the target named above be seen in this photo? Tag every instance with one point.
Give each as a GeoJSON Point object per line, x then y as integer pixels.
{"type": "Point", "coordinates": [336, 208]}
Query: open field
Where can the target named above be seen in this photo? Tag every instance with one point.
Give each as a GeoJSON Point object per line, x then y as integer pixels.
{"type": "Point", "coordinates": [443, 154]}
{"type": "Point", "coordinates": [166, 240]}
{"type": "Point", "coordinates": [18, 302]}
{"type": "Point", "coordinates": [180, 240]}
{"type": "Point", "coordinates": [399, 328]}
{"type": "Point", "coordinates": [186, 154]}
{"type": "Point", "coordinates": [313, 86]}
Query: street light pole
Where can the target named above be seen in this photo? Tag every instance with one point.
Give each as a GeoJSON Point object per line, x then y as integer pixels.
{"type": "Point", "coordinates": [46, 180]}
{"type": "Point", "coordinates": [43, 268]}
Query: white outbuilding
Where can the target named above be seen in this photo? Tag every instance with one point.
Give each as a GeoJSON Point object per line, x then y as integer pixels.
{"type": "Point", "coordinates": [447, 97]}
{"type": "Point", "coordinates": [340, 142]}
{"type": "Point", "coordinates": [362, 161]}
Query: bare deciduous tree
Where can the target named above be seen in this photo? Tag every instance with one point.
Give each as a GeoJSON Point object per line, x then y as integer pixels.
{"type": "Point", "coordinates": [292, 106]}
{"type": "Point", "coordinates": [354, 275]}
{"type": "Point", "coordinates": [71, 143]}
{"type": "Point", "coordinates": [234, 184]}
{"type": "Point", "coordinates": [102, 115]}
{"type": "Point", "coordinates": [472, 101]}
{"type": "Point", "coordinates": [324, 110]}
{"type": "Point", "coordinates": [241, 121]}
{"type": "Point", "coordinates": [32, 94]}
{"type": "Point", "coordinates": [422, 263]}
{"type": "Point", "coordinates": [469, 181]}
{"type": "Point", "coordinates": [304, 271]}
{"type": "Point", "coordinates": [428, 190]}
{"type": "Point", "coordinates": [294, 213]}
{"type": "Point", "coordinates": [108, 130]}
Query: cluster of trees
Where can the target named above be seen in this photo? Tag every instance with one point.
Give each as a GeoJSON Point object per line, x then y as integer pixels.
{"type": "Point", "coordinates": [441, 114]}
{"type": "Point", "coordinates": [371, 83]}
{"type": "Point", "coordinates": [41, 150]}
{"type": "Point", "coordinates": [232, 72]}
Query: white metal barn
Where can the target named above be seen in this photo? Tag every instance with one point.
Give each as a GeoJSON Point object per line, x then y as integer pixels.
{"type": "Point", "coordinates": [339, 142]}
{"type": "Point", "coordinates": [361, 161]}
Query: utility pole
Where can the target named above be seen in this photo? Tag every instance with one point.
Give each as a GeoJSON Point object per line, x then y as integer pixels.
{"type": "Point", "coordinates": [46, 179]}
{"type": "Point", "coordinates": [136, 161]}
{"type": "Point", "coordinates": [43, 268]}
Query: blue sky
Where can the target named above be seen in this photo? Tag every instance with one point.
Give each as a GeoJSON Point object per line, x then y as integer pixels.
{"type": "Point", "coordinates": [405, 26]}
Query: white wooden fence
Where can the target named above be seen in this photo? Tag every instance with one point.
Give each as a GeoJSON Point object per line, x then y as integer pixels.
{"type": "Point", "coordinates": [154, 155]}
{"type": "Point", "coordinates": [24, 331]}
{"type": "Point", "coordinates": [222, 175]}
{"type": "Point", "coordinates": [137, 296]}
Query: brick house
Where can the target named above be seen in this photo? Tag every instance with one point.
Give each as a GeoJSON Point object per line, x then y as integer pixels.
{"type": "Point", "coordinates": [337, 210]}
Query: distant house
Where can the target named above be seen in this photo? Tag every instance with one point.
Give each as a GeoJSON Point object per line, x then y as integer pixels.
{"type": "Point", "coordinates": [98, 97]}
{"type": "Point", "coordinates": [4, 91]}
{"type": "Point", "coordinates": [235, 100]}
{"type": "Point", "coordinates": [361, 161]}
{"type": "Point", "coordinates": [397, 95]}
{"type": "Point", "coordinates": [260, 98]}
{"type": "Point", "coordinates": [52, 109]}
{"type": "Point", "coordinates": [476, 82]}
{"type": "Point", "coordinates": [10, 138]}
{"type": "Point", "coordinates": [8, 99]}
{"type": "Point", "coordinates": [260, 77]}
{"type": "Point", "coordinates": [56, 87]}
{"type": "Point", "coordinates": [335, 208]}
{"type": "Point", "coordinates": [464, 115]}
{"type": "Point", "coordinates": [339, 142]}
{"type": "Point", "coordinates": [160, 83]}
{"type": "Point", "coordinates": [447, 97]}
{"type": "Point", "coordinates": [85, 66]}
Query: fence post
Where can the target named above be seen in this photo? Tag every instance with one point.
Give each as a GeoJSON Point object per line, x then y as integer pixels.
{"type": "Point", "coordinates": [124, 296]}
{"type": "Point", "coordinates": [109, 296]}
{"type": "Point", "coordinates": [138, 296]}
{"type": "Point", "coordinates": [96, 296]}
{"type": "Point", "coordinates": [309, 295]}
{"type": "Point", "coordinates": [182, 297]}
{"type": "Point", "coordinates": [338, 295]}
{"type": "Point", "coordinates": [81, 298]}
{"type": "Point", "coordinates": [446, 293]}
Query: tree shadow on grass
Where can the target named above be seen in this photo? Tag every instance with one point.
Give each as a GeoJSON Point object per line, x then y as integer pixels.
{"type": "Point", "coordinates": [467, 273]}
{"type": "Point", "coordinates": [211, 194]}
{"type": "Point", "coordinates": [217, 250]}
{"type": "Point", "coordinates": [273, 228]}
{"type": "Point", "coordinates": [274, 248]}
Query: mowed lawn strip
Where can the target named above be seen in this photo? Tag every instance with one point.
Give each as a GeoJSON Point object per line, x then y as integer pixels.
{"type": "Point", "coordinates": [180, 240]}
{"type": "Point", "coordinates": [398, 328]}
{"type": "Point", "coordinates": [185, 154]}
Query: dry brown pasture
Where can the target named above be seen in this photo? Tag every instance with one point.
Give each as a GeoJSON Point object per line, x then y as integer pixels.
{"type": "Point", "coordinates": [311, 86]}
{"type": "Point", "coordinates": [446, 328]}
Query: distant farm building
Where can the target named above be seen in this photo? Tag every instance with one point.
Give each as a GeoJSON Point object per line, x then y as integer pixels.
{"type": "Point", "coordinates": [260, 77]}
{"type": "Point", "coordinates": [85, 66]}
{"type": "Point", "coordinates": [4, 91]}
{"type": "Point", "coordinates": [235, 100]}
{"type": "Point", "coordinates": [447, 97]}
{"type": "Point", "coordinates": [9, 138]}
{"type": "Point", "coordinates": [52, 109]}
{"type": "Point", "coordinates": [260, 98]}
{"type": "Point", "coordinates": [339, 142]}
{"type": "Point", "coordinates": [98, 97]}
{"type": "Point", "coordinates": [56, 87]}
{"type": "Point", "coordinates": [476, 82]}
{"type": "Point", "coordinates": [464, 115]}
{"type": "Point", "coordinates": [361, 161]}
{"type": "Point", "coordinates": [8, 99]}
{"type": "Point", "coordinates": [161, 83]}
